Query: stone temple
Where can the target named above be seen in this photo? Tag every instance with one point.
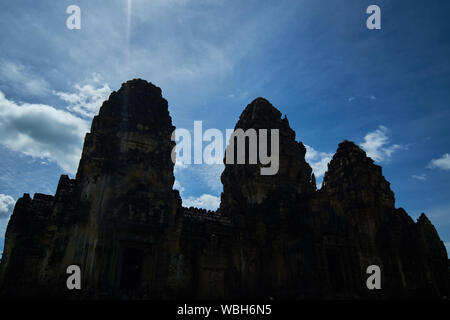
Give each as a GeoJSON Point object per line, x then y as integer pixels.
{"type": "Point", "coordinates": [275, 237]}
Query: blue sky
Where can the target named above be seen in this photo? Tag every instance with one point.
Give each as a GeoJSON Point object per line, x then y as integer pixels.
{"type": "Point", "coordinates": [387, 90]}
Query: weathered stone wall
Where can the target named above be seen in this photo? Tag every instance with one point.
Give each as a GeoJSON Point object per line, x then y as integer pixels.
{"type": "Point", "coordinates": [273, 236]}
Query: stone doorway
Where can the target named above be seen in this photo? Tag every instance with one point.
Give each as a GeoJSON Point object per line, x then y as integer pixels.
{"type": "Point", "coordinates": [132, 261]}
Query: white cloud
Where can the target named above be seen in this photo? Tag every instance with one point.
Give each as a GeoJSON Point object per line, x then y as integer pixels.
{"type": "Point", "coordinates": [205, 201]}
{"type": "Point", "coordinates": [205, 174]}
{"type": "Point", "coordinates": [179, 165]}
{"type": "Point", "coordinates": [447, 245]}
{"type": "Point", "coordinates": [210, 175]}
{"type": "Point", "coordinates": [421, 177]}
{"type": "Point", "coordinates": [318, 160]}
{"type": "Point", "coordinates": [438, 215]}
{"type": "Point", "coordinates": [6, 205]}
{"type": "Point", "coordinates": [440, 163]}
{"type": "Point", "coordinates": [371, 97]}
{"type": "Point", "coordinates": [87, 99]}
{"type": "Point", "coordinates": [177, 185]}
{"type": "Point", "coordinates": [377, 145]}
{"type": "Point", "coordinates": [45, 132]}
{"type": "Point", "coordinates": [22, 79]}
{"type": "Point", "coordinates": [42, 131]}
{"type": "Point", "coordinates": [194, 175]}
{"type": "Point", "coordinates": [239, 95]}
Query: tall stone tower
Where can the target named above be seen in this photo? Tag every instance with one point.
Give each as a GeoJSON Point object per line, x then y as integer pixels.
{"type": "Point", "coordinates": [119, 216]}
{"type": "Point", "coordinates": [125, 178]}
{"type": "Point", "coordinates": [266, 209]}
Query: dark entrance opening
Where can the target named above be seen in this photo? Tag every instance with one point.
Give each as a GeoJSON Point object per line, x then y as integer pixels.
{"type": "Point", "coordinates": [131, 268]}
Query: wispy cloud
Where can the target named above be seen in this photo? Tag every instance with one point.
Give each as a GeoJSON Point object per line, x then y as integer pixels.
{"type": "Point", "coordinates": [191, 181]}
{"type": "Point", "coordinates": [371, 97]}
{"type": "Point", "coordinates": [440, 163]}
{"type": "Point", "coordinates": [210, 175]}
{"type": "Point", "coordinates": [447, 246]}
{"type": "Point", "coordinates": [377, 145]}
{"type": "Point", "coordinates": [421, 177]}
{"type": "Point", "coordinates": [22, 79]}
{"type": "Point", "coordinates": [6, 205]}
{"type": "Point", "coordinates": [439, 215]}
{"type": "Point", "coordinates": [177, 185]}
{"type": "Point", "coordinates": [6, 208]}
{"type": "Point", "coordinates": [207, 174]}
{"type": "Point", "coordinates": [239, 95]}
{"type": "Point", "coordinates": [195, 175]}
{"type": "Point", "coordinates": [87, 99]}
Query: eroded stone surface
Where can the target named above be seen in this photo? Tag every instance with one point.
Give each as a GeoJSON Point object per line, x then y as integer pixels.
{"type": "Point", "coordinates": [273, 236]}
